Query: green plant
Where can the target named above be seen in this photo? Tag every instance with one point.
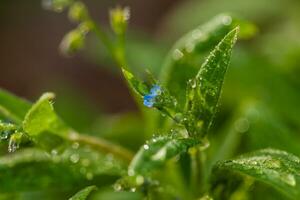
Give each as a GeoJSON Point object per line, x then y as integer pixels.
{"type": "Point", "coordinates": [173, 164]}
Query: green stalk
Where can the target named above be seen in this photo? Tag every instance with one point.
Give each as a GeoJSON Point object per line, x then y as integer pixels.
{"type": "Point", "coordinates": [117, 52]}
{"type": "Point", "coordinates": [101, 145]}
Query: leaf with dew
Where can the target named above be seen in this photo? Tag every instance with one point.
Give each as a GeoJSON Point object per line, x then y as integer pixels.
{"type": "Point", "coordinates": [273, 167]}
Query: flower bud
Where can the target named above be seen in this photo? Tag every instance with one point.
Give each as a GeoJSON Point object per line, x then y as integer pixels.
{"type": "Point", "coordinates": [78, 12]}
{"type": "Point", "coordinates": [56, 5]}
{"type": "Point", "coordinates": [118, 19]}
{"type": "Point", "coordinates": [72, 42]}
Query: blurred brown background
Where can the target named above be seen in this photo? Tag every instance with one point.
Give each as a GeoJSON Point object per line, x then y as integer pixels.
{"type": "Point", "coordinates": [31, 64]}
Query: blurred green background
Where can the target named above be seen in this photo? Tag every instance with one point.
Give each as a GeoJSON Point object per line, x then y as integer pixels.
{"type": "Point", "coordinates": [260, 102]}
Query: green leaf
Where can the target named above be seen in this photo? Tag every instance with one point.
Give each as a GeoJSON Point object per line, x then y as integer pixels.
{"type": "Point", "coordinates": [276, 168]}
{"type": "Point", "coordinates": [42, 117]}
{"type": "Point", "coordinates": [12, 107]}
{"type": "Point", "coordinates": [6, 129]}
{"type": "Point", "coordinates": [155, 153]}
{"type": "Point", "coordinates": [204, 90]}
{"type": "Point", "coordinates": [84, 193]}
{"type": "Point", "coordinates": [154, 95]}
{"type": "Point", "coordinates": [138, 86]}
{"type": "Point", "coordinates": [182, 62]}
{"type": "Point", "coordinates": [33, 169]}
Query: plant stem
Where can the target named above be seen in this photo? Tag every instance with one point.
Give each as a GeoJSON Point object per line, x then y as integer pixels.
{"type": "Point", "coordinates": [101, 145]}
{"type": "Point", "coordinates": [194, 168]}
{"type": "Point", "coordinates": [197, 169]}
{"type": "Point", "coordinates": [117, 53]}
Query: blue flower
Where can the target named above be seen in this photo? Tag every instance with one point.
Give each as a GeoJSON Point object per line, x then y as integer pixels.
{"type": "Point", "coordinates": [149, 99]}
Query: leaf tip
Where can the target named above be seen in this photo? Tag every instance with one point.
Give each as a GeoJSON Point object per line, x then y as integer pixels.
{"type": "Point", "coordinates": [126, 73]}
{"type": "Point", "coordinates": [47, 96]}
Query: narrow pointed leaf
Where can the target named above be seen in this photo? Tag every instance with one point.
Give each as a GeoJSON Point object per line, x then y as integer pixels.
{"type": "Point", "coordinates": [84, 193]}
{"type": "Point", "coordinates": [183, 60]}
{"type": "Point", "coordinates": [204, 90]}
{"type": "Point", "coordinates": [276, 168]}
{"type": "Point", "coordinates": [34, 169]}
{"type": "Point", "coordinates": [138, 86]}
{"type": "Point", "coordinates": [154, 154]}
{"type": "Point", "coordinates": [153, 95]}
{"type": "Point", "coordinates": [42, 117]}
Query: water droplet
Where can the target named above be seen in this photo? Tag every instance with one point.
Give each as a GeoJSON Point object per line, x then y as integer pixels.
{"type": "Point", "coordinates": [110, 157]}
{"type": "Point", "coordinates": [253, 114]}
{"type": "Point", "coordinates": [160, 155]}
{"type": "Point", "coordinates": [117, 187]}
{"type": "Point", "coordinates": [49, 5]}
{"type": "Point", "coordinates": [197, 34]}
{"type": "Point", "coordinates": [226, 20]}
{"type": "Point", "coordinates": [192, 83]}
{"type": "Point", "coordinates": [146, 146]}
{"type": "Point", "coordinates": [82, 170]}
{"type": "Point", "coordinates": [74, 158]}
{"type": "Point", "coordinates": [75, 145]}
{"type": "Point", "coordinates": [89, 176]}
{"type": "Point", "coordinates": [14, 142]}
{"type": "Point", "coordinates": [139, 180]}
{"type": "Point", "coordinates": [54, 152]}
{"type": "Point", "coordinates": [130, 172]}
{"type": "Point", "coordinates": [242, 125]}
{"type": "Point", "coordinates": [190, 46]}
{"type": "Point", "coordinates": [177, 54]}
{"type": "Point", "coordinates": [4, 135]}
{"type": "Point", "coordinates": [85, 162]}
{"type": "Point", "coordinates": [204, 145]}
{"type": "Point", "coordinates": [289, 179]}
{"type": "Point", "coordinates": [206, 197]}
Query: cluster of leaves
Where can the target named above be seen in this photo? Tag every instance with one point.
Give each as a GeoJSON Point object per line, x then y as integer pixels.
{"type": "Point", "coordinates": [170, 165]}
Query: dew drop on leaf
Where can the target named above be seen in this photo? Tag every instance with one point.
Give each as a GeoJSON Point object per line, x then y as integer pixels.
{"type": "Point", "coordinates": [117, 187]}
{"type": "Point", "coordinates": [89, 176]}
{"type": "Point", "coordinates": [74, 158]}
{"type": "Point", "coordinates": [75, 145]}
{"type": "Point", "coordinates": [160, 155]}
{"type": "Point", "coordinates": [13, 146]}
{"type": "Point", "coordinates": [139, 180]}
{"type": "Point", "coordinates": [226, 20]}
{"type": "Point", "coordinates": [177, 54]}
{"type": "Point", "coordinates": [4, 135]}
{"type": "Point", "coordinates": [242, 125]}
{"type": "Point", "coordinates": [289, 179]}
{"type": "Point", "coordinates": [146, 146]}
{"type": "Point", "coordinates": [130, 172]}
{"type": "Point", "coordinates": [54, 152]}
{"type": "Point", "coordinates": [85, 162]}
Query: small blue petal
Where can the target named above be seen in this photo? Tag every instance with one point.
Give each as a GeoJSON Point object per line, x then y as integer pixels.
{"type": "Point", "coordinates": [155, 90]}
{"type": "Point", "coordinates": [149, 99]}
{"type": "Point", "coordinates": [148, 103]}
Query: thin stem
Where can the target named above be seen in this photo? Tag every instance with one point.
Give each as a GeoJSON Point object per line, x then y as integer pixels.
{"type": "Point", "coordinates": [197, 169]}
{"type": "Point", "coordinates": [194, 168]}
{"type": "Point", "coordinates": [102, 145]}
{"type": "Point", "coordinates": [118, 54]}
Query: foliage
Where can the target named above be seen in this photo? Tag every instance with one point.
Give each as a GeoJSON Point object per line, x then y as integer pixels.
{"type": "Point", "coordinates": [49, 157]}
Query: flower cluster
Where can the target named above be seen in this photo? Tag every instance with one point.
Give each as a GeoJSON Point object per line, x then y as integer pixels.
{"type": "Point", "coordinates": [149, 99]}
